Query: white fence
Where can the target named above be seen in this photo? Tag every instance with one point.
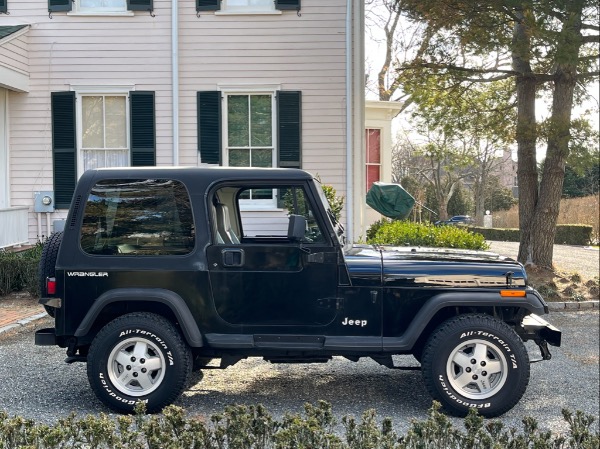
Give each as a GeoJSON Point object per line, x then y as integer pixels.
{"type": "Point", "coordinates": [13, 226]}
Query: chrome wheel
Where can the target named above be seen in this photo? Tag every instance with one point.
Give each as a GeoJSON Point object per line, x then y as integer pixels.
{"type": "Point", "coordinates": [477, 369]}
{"type": "Point", "coordinates": [136, 367]}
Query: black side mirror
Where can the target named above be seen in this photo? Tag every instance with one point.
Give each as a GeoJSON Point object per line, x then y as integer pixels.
{"type": "Point", "coordinates": [296, 228]}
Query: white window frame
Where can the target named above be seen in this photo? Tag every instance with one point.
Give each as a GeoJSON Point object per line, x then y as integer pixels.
{"type": "Point", "coordinates": [228, 9]}
{"type": "Point", "coordinates": [78, 10]}
{"type": "Point", "coordinates": [249, 205]}
{"type": "Point", "coordinates": [82, 91]}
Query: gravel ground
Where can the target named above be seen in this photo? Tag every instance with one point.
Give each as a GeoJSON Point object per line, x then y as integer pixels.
{"type": "Point", "coordinates": [36, 383]}
{"type": "Point", "coordinates": [575, 259]}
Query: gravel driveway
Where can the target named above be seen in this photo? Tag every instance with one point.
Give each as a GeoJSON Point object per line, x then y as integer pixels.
{"type": "Point", "coordinates": [574, 259]}
{"type": "Point", "coordinates": [38, 384]}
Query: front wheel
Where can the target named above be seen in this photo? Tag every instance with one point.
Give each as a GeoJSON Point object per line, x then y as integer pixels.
{"type": "Point", "coordinates": [138, 357]}
{"type": "Point", "coordinates": [475, 361]}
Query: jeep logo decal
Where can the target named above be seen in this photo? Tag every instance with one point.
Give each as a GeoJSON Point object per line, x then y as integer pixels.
{"type": "Point", "coordinates": [347, 322]}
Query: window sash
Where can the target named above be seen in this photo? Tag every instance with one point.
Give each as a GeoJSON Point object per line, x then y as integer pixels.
{"type": "Point", "coordinates": [373, 157]}
{"type": "Point", "coordinates": [100, 148]}
{"type": "Point", "coordinates": [101, 5]}
{"type": "Point", "coordinates": [244, 113]}
{"type": "Point", "coordinates": [248, 5]}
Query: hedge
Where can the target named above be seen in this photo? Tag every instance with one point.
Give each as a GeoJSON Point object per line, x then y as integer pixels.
{"type": "Point", "coordinates": [252, 427]}
{"type": "Point", "coordinates": [19, 271]}
{"type": "Point", "coordinates": [566, 234]}
{"type": "Point", "coordinates": [402, 233]}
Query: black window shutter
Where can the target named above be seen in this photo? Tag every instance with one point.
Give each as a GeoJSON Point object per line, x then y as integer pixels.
{"type": "Point", "coordinates": [3, 6]}
{"type": "Point", "coordinates": [209, 126]}
{"type": "Point", "coordinates": [143, 128]}
{"type": "Point", "coordinates": [208, 5]}
{"type": "Point", "coordinates": [287, 5]}
{"type": "Point", "coordinates": [140, 5]}
{"type": "Point", "coordinates": [59, 5]}
{"type": "Point", "coordinates": [64, 152]}
{"type": "Point", "coordinates": [289, 128]}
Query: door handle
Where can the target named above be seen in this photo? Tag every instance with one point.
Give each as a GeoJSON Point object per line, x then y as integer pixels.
{"type": "Point", "coordinates": [233, 257]}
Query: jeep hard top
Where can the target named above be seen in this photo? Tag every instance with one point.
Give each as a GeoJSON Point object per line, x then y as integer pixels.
{"type": "Point", "coordinates": [161, 270]}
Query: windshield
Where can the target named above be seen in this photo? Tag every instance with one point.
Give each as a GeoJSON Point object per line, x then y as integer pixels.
{"type": "Point", "coordinates": [337, 226]}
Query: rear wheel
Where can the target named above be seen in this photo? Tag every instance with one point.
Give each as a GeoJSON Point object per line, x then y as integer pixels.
{"type": "Point", "coordinates": [138, 357]}
{"type": "Point", "coordinates": [475, 361]}
{"type": "Point", "coordinates": [46, 268]}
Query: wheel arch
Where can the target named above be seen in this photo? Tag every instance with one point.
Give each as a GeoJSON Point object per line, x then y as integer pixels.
{"type": "Point", "coordinates": [161, 301]}
{"type": "Point", "coordinates": [447, 305]}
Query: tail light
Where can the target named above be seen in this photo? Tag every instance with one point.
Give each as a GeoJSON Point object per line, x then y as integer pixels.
{"type": "Point", "coordinates": [51, 286]}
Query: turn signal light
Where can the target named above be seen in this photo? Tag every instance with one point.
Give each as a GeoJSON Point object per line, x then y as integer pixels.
{"type": "Point", "coordinates": [513, 293]}
{"type": "Point", "coordinates": [51, 286]}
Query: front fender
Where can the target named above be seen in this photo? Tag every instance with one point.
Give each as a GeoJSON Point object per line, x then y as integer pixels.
{"type": "Point", "coordinates": [532, 302]}
{"type": "Point", "coordinates": [191, 332]}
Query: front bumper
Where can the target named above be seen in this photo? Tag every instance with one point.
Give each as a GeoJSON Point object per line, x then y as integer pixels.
{"type": "Point", "coordinates": [537, 329]}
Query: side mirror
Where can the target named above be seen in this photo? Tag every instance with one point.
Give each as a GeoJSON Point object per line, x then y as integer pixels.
{"type": "Point", "coordinates": [296, 228]}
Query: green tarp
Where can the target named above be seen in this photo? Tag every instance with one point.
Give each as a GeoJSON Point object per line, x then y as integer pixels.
{"type": "Point", "coordinates": [390, 200]}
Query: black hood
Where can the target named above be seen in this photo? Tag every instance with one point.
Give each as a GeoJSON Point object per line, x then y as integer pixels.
{"type": "Point", "coordinates": [416, 266]}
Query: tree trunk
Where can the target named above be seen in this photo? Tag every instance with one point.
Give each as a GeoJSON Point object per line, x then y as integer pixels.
{"type": "Point", "coordinates": [526, 133]}
{"type": "Point", "coordinates": [546, 213]}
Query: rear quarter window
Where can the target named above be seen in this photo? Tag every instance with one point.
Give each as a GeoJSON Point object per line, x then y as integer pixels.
{"type": "Point", "coordinates": [140, 217]}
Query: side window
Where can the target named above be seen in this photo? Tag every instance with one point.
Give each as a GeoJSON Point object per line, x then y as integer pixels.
{"type": "Point", "coordinates": [147, 217]}
{"type": "Point", "coordinates": [294, 221]}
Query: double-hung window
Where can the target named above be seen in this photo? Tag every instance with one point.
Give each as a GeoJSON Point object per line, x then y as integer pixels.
{"type": "Point", "coordinates": [373, 156]}
{"type": "Point", "coordinates": [248, 6]}
{"type": "Point", "coordinates": [104, 140]}
{"type": "Point", "coordinates": [249, 136]}
{"type": "Point", "coordinates": [101, 6]}
{"type": "Point", "coordinates": [94, 127]}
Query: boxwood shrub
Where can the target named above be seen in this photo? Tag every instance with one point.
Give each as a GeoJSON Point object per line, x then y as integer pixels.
{"type": "Point", "coordinates": [252, 427]}
{"type": "Point", "coordinates": [406, 233]}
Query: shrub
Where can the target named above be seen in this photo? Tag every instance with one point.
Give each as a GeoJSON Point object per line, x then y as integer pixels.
{"type": "Point", "coordinates": [252, 427]}
{"type": "Point", "coordinates": [566, 234]}
{"type": "Point", "coordinates": [405, 233]}
{"type": "Point", "coordinates": [19, 271]}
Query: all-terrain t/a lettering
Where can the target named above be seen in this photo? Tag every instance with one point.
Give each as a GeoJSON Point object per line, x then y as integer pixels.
{"type": "Point", "coordinates": [224, 263]}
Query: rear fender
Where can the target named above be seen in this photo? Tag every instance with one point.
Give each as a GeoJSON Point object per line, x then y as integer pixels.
{"type": "Point", "coordinates": [190, 329]}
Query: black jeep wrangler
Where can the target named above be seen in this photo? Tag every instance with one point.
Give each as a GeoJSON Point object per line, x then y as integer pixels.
{"type": "Point", "coordinates": [161, 270]}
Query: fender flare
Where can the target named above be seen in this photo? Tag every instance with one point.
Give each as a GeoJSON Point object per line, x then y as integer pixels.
{"type": "Point", "coordinates": [532, 302]}
{"type": "Point", "coordinates": [190, 329]}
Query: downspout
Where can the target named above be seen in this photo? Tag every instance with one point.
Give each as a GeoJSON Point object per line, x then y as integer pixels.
{"type": "Point", "coordinates": [175, 77]}
{"type": "Point", "coordinates": [349, 121]}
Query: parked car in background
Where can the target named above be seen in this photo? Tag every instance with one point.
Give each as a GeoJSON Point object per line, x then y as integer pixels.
{"type": "Point", "coordinates": [457, 220]}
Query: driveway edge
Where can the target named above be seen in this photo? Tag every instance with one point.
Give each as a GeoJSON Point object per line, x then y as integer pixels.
{"type": "Point", "coordinates": [572, 306]}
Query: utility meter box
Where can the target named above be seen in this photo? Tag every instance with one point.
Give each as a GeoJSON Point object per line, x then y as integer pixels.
{"type": "Point", "coordinates": [43, 201]}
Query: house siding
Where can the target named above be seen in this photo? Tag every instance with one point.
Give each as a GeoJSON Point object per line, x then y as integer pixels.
{"type": "Point", "coordinates": [299, 53]}
{"type": "Point", "coordinates": [13, 54]}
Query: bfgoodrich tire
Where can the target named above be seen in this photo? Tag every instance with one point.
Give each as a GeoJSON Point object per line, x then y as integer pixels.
{"type": "Point", "coordinates": [138, 357]}
{"type": "Point", "coordinates": [475, 361]}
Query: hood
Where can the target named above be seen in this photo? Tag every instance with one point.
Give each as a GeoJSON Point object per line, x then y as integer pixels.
{"type": "Point", "coordinates": [429, 267]}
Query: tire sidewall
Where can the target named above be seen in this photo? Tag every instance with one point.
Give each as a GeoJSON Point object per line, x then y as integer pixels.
{"type": "Point", "coordinates": [517, 369]}
{"type": "Point", "coordinates": [113, 335]}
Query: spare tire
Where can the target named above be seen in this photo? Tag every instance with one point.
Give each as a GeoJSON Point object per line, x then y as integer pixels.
{"type": "Point", "coordinates": [47, 265]}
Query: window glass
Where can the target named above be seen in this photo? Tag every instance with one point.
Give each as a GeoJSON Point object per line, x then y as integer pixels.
{"type": "Point", "coordinates": [293, 201]}
{"type": "Point", "coordinates": [147, 217]}
{"type": "Point", "coordinates": [250, 139]}
{"type": "Point", "coordinates": [104, 131]}
{"type": "Point", "coordinates": [102, 5]}
{"type": "Point", "coordinates": [373, 147]}
{"type": "Point", "coordinates": [237, 5]}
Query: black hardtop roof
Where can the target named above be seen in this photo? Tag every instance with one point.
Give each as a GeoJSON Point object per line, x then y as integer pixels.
{"type": "Point", "coordinates": [200, 174]}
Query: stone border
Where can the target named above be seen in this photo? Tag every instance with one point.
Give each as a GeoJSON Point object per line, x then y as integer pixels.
{"type": "Point", "coordinates": [23, 322]}
{"type": "Point", "coordinates": [572, 306]}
